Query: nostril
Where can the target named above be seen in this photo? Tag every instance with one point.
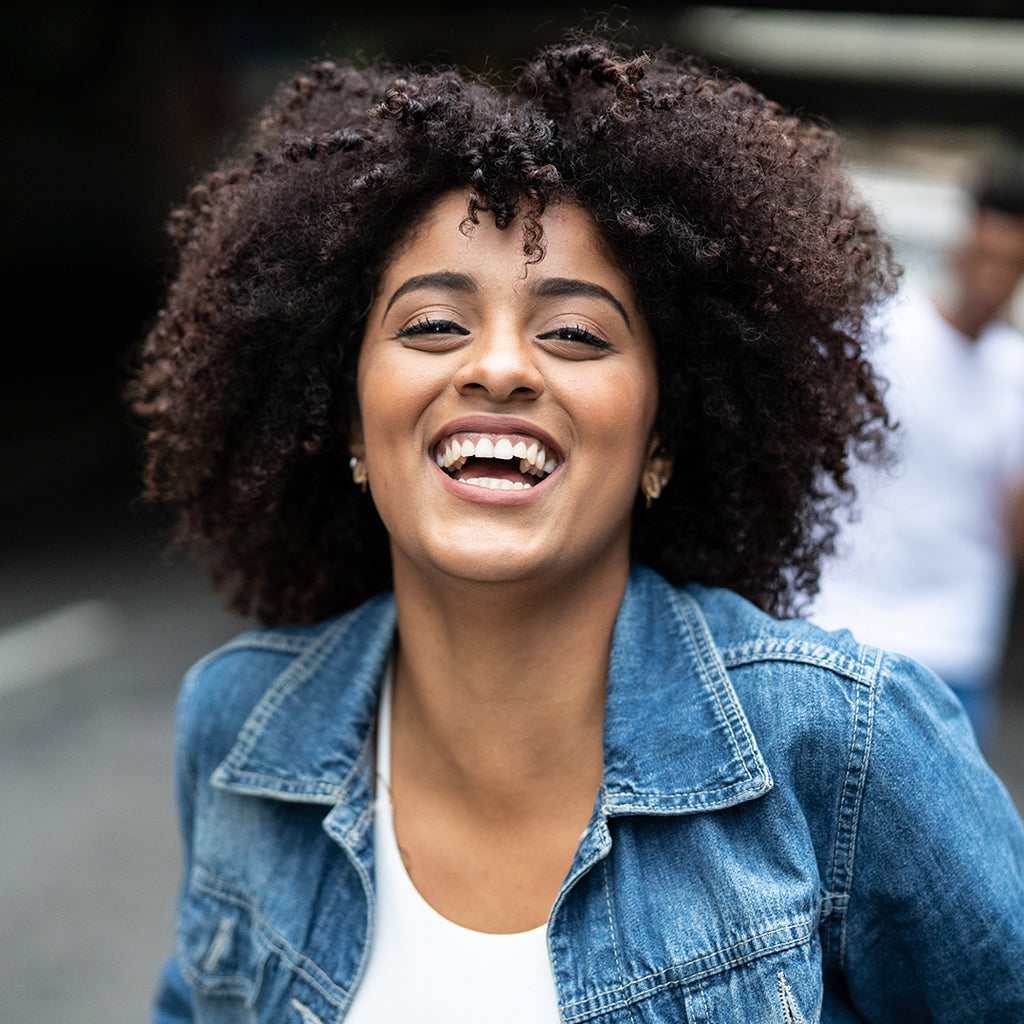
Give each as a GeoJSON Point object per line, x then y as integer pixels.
{"type": "Point", "coordinates": [503, 367]}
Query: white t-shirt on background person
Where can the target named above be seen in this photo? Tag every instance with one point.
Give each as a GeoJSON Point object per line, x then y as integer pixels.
{"type": "Point", "coordinates": [927, 568]}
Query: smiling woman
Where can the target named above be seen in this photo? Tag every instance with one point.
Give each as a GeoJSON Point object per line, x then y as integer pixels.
{"type": "Point", "coordinates": [518, 417]}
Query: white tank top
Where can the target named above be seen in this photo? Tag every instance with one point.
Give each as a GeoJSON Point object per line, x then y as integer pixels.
{"type": "Point", "coordinates": [423, 967]}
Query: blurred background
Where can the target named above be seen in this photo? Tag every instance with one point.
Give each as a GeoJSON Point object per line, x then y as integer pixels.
{"type": "Point", "coordinates": [111, 111]}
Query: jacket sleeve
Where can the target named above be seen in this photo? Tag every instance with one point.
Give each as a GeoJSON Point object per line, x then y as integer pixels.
{"type": "Point", "coordinates": [934, 924]}
{"type": "Point", "coordinates": [172, 1003]}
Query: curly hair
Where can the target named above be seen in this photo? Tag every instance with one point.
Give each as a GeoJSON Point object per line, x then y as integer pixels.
{"type": "Point", "coordinates": [753, 260]}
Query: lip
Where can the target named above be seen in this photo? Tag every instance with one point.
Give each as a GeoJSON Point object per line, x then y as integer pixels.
{"type": "Point", "coordinates": [489, 424]}
{"type": "Point", "coordinates": [484, 424]}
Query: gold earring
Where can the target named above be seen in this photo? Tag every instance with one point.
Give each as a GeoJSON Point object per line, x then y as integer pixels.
{"type": "Point", "coordinates": [359, 474]}
{"type": "Point", "coordinates": [652, 485]}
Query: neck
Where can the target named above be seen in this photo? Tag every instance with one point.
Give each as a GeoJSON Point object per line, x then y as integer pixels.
{"type": "Point", "coordinates": [963, 319]}
{"type": "Point", "coordinates": [500, 685]}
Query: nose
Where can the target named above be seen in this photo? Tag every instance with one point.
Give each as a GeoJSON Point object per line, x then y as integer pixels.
{"type": "Point", "coordinates": [502, 364]}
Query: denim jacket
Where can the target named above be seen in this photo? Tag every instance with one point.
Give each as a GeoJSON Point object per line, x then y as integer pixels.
{"type": "Point", "coordinates": [791, 828]}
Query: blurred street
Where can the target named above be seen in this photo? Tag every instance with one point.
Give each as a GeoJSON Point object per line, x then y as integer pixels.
{"type": "Point", "coordinates": [89, 853]}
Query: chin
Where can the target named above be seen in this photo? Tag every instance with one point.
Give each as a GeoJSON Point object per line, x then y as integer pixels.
{"type": "Point", "coordinates": [504, 567]}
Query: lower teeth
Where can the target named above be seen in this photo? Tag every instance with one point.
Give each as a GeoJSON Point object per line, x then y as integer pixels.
{"type": "Point", "coordinates": [496, 484]}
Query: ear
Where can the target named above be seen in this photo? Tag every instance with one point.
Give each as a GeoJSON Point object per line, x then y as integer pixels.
{"type": "Point", "coordinates": [659, 459]}
{"type": "Point", "coordinates": [356, 444]}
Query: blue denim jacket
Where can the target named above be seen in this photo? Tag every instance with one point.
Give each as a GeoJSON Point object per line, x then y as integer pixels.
{"type": "Point", "coordinates": [791, 827]}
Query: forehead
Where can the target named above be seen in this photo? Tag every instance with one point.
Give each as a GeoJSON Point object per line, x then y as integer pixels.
{"type": "Point", "coordinates": [1000, 234]}
{"type": "Point", "coordinates": [571, 241]}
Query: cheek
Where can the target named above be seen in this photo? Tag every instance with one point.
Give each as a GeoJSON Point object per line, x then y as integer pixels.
{"type": "Point", "coordinates": [621, 413]}
{"type": "Point", "coordinates": [391, 392]}
{"type": "Point", "coordinates": [383, 421]}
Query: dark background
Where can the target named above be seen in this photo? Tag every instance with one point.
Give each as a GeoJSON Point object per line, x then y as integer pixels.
{"type": "Point", "coordinates": [110, 111]}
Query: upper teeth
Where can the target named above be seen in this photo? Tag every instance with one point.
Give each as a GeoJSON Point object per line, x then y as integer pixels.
{"type": "Point", "coordinates": [532, 457]}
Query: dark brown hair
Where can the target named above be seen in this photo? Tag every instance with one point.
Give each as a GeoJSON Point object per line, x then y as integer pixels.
{"type": "Point", "coordinates": [754, 263]}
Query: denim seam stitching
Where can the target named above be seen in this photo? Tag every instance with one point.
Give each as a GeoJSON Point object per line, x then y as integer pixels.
{"type": "Point", "coordinates": [575, 873]}
{"type": "Point", "coordinates": [674, 983]}
{"type": "Point", "coordinates": [297, 672]}
{"type": "Point", "coordinates": [706, 651]}
{"type": "Point", "coordinates": [790, 1010]}
{"type": "Point", "coordinates": [273, 786]}
{"type": "Point", "coordinates": [611, 929]}
{"type": "Point", "coordinates": [245, 641]}
{"type": "Point", "coordinates": [850, 800]}
{"type": "Point", "coordinates": [710, 683]}
{"type": "Point", "coordinates": [612, 806]}
{"type": "Point", "coordinates": [314, 652]}
{"type": "Point", "coordinates": [704, 1001]}
{"type": "Point", "coordinates": [361, 824]}
{"type": "Point", "coordinates": [186, 694]}
{"type": "Point", "coordinates": [371, 915]}
{"type": "Point", "coordinates": [272, 641]}
{"type": "Point", "coordinates": [307, 1015]}
{"type": "Point", "coordinates": [205, 883]}
{"type": "Point", "coordinates": [794, 940]}
{"type": "Point", "coordinates": [758, 651]}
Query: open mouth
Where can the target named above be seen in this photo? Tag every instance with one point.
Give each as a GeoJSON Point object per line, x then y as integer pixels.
{"type": "Point", "coordinates": [510, 462]}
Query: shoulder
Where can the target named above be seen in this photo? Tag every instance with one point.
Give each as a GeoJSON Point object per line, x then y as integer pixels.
{"type": "Point", "coordinates": [746, 637]}
{"type": "Point", "coordinates": [769, 661]}
{"type": "Point", "coordinates": [869, 731]}
{"type": "Point", "coordinates": [776, 669]}
{"type": "Point", "coordinates": [799, 683]}
{"type": "Point", "coordinates": [221, 690]}
{"type": "Point", "coordinates": [230, 680]}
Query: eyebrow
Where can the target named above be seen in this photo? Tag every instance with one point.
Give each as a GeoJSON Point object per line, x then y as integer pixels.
{"type": "Point", "coordinates": [554, 287]}
{"type": "Point", "coordinates": [549, 287]}
{"type": "Point", "coordinates": [446, 279]}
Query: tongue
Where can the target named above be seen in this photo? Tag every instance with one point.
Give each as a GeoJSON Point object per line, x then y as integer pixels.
{"type": "Point", "coordinates": [497, 469]}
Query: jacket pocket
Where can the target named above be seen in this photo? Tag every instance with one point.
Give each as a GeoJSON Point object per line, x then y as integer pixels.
{"type": "Point", "coordinates": [781, 987]}
{"type": "Point", "coordinates": [219, 952]}
{"type": "Point", "coordinates": [240, 968]}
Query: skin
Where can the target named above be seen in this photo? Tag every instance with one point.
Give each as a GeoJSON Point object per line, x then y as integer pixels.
{"type": "Point", "coordinates": [988, 265]}
{"type": "Point", "coordinates": [506, 599]}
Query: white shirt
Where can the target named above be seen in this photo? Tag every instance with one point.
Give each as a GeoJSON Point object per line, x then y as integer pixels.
{"type": "Point", "coordinates": [423, 967]}
{"type": "Point", "coordinates": [926, 569]}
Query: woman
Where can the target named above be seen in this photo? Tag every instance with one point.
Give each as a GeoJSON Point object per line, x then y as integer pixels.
{"type": "Point", "coordinates": [589, 352]}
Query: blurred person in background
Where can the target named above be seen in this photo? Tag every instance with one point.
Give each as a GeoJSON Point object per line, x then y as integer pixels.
{"type": "Point", "coordinates": [928, 565]}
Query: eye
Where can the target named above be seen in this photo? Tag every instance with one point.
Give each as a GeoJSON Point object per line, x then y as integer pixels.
{"type": "Point", "coordinates": [432, 334]}
{"type": "Point", "coordinates": [578, 335]}
{"type": "Point", "coordinates": [427, 326]}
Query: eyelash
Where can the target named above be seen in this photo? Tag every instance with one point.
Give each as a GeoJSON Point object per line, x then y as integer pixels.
{"type": "Point", "coordinates": [577, 333]}
{"type": "Point", "coordinates": [428, 326]}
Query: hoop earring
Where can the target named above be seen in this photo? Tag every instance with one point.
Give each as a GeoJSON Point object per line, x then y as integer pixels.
{"type": "Point", "coordinates": [651, 486]}
{"type": "Point", "coordinates": [359, 474]}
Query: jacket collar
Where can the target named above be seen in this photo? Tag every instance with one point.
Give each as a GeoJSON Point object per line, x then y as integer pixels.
{"type": "Point", "coordinates": [676, 739]}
